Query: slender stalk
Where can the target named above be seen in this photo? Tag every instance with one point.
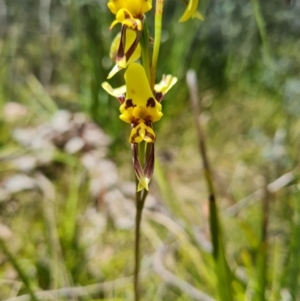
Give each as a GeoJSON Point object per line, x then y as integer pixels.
{"type": "Point", "coordinates": [262, 29]}
{"type": "Point", "coordinates": [19, 269]}
{"type": "Point", "coordinates": [223, 272]}
{"type": "Point", "coordinates": [263, 249]}
{"type": "Point", "coordinates": [142, 153]}
{"type": "Point", "coordinates": [140, 201]}
{"type": "Point", "coordinates": [159, 7]}
{"type": "Point", "coordinates": [192, 84]}
{"type": "Point", "coordinates": [293, 270]}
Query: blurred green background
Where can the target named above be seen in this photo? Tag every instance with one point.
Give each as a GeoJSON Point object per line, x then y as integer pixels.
{"type": "Point", "coordinates": [66, 180]}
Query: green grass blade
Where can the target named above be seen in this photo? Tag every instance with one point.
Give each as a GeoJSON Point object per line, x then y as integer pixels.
{"type": "Point", "coordinates": [18, 268]}
{"type": "Point", "coordinates": [224, 274]}
{"type": "Point", "coordinates": [294, 262]}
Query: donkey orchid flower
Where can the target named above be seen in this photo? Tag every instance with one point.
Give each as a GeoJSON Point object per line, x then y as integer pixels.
{"type": "Point", "coordinates": [129, 12]}
{"type": "Point", "coordinates": [141, 108]}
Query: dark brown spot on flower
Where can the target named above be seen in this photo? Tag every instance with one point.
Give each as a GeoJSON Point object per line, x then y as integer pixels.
{"type": "Point", "coordinates": [126, 15]}
{"type": "Point", "coordinates": [151, 136]}
{"type": "Point", "coordinates": [159, 96]}
{"type": "Point", "coordinates": [121, 99]}
{"type": "Point", "coordinates": [129, 103]}
{"type": "Point", "coordinates": [151, 102]}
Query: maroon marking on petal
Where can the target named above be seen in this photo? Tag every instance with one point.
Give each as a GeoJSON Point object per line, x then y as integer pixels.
{"type": "Point", "coordinates": [148, 121]}
{"type": "Point", "coordinates": [151, 102]}
{"type": "Point", "coordinates": [151, 136]}
{"type": "Point", "coordinates": [149, 167]}
{"type": "Point", "coordinates": [136, 162]}
{"type": "Point", "coordinates": [159, 96]}
{"type": "Point", "coordinates": [126, 15]}
{"type": "Point", "coordinates": [135, 25]}
{"type": "Point", "coordinates": [121, 49]}
{"type": "Point", "coordinates": [121, 99]}
{"type": "Point", "coordinates": [137, 134]}
{"type": "Point", "coordinates": [133, 46]}
{"type": "Point", "coordinates": [134, 121]}
{"type": "Point", "coordinates": [133, 138]}
{"type": "Point", "coordinates": [129, 104]}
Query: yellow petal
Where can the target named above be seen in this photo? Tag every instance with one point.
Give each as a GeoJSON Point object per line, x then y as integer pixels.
{"type": "Point", "coordinates": [167, 82]}
{"type": "Point", "coordinates": [125, 17]}
{"type": "Point", "coordinates": [117, 92]}
{"type": "Point", "coordinates": [130, 39]}
{"type": "Point", "coordinates": [137, 85]}
{"type": "Point", "coordinates": [191, 11]}
{"type": "Point", "coordinates": [155, 113]}
{"type": "Point", "coordinates": [139, 7]}
{"type": "Point", "coordinates": [142, 132]}
{"type": "Point", "coordinates": [136, 7]}
{"type": "Point", "coordinates": [115, 46]}
{"type": "Point", "coordinates": [126, 114]}
{"type": "Point", "coordinates": [113, 71]}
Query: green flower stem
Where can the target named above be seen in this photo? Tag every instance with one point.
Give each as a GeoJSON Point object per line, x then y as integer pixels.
{"type": "Point", "coordinates": [142, 153]}
{"type": "Point", "coordinates": [18, 268]}
{"type": "Point", "coordinates": [159, 7]}
{"type": "Point", "coordinates": [145, 48]}
{"type": "Point", "coordinates": [140, 201]}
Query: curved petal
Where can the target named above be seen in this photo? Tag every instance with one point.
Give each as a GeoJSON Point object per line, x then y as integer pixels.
{"type": "Point", "coordinates": [167, 82]}
{"type": "Point", "coordinates": [191, 11]}
{"type": "Point", "coordinates": [131, 42]}
{"type": "Point", "coordinates": [117, 92]}
{"type": "Point", "coordinates": [125, 17]}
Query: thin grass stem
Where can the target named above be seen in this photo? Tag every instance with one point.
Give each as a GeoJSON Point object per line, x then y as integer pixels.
{"type": "Point", "coordinates": [223, 272]}
{"type": "Point", "coordinates": [263, 249]}
{"type": "Point", "coordinates": [262, 29]}
{"type": "Point", "coordinates": [18, 268]}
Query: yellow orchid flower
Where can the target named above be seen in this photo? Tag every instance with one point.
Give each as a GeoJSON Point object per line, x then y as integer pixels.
{"type": "Point", "coordinates": [140, 108]}
{"type": "Point", "coordinates": [129, 12]}
{"type": "Point", "coordinates": [167, 82]}
{"type": "Point", "coordinates": [130, 52]}
{"type": "Point", "coordinates": [191, 11]}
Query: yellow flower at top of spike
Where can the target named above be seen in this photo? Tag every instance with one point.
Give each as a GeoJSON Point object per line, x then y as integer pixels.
{"type": "Point", "coordinates": [129, 12]}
